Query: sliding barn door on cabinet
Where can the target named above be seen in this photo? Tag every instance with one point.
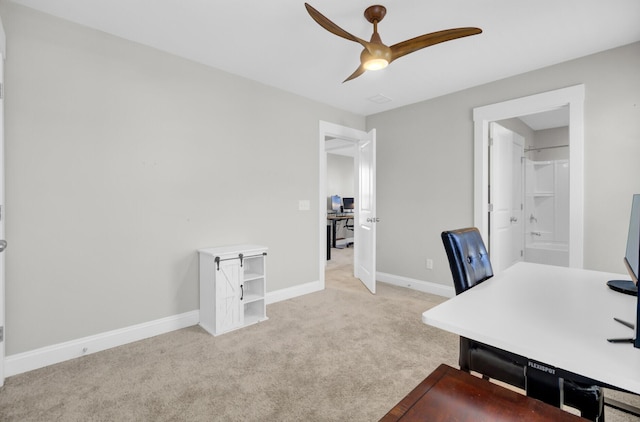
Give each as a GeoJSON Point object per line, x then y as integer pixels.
{"type": "Point", "coordinates": [232, 287]}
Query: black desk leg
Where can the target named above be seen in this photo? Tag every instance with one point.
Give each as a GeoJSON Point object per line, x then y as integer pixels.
{"type": "Point", "coordinates": [328, 242]}
{"type": "Point", "coordinates": [542, 383]}
{"type": "Point", "coordinates": [334, 222]}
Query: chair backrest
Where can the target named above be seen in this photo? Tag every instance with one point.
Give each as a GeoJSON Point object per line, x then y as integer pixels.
{"type": "Point", "coordinates": [468, 258]}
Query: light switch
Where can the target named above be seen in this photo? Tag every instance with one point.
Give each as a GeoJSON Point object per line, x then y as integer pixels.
{"type": "Point", "coordinates": [304, 205]}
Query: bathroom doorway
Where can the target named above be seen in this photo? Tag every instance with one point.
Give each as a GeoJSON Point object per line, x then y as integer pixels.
{"type": "Point", "coordinates": [542, 212]}
{"type": "Point", "coordinates": [572, 101]}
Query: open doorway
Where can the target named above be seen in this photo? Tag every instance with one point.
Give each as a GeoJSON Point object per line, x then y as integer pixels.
{"type": "Point", "coordinates": [334, 138]}
{"type": "Point", "coordinates": [544, 207]}
{"type": "Point", "coordinates": [341, 195]}
{"type": "Point", "coordinates": [567, 100]}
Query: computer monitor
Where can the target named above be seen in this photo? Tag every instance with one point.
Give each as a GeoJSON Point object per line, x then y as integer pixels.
{"type": "Point", "coordinates": [632, 255]}
{"type": "Point", "coordinates": [632, 262]}
{"type": "Point", "coordinates": [632, 258]}
{"type": "Point", "coordinates": [347, 203]}
{"type": "Point", "coordinates": [336, 203]}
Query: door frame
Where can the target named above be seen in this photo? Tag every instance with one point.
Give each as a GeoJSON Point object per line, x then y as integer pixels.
{"type": "Point", "coordinates": [573, 97]}
{"type": "Point", "coordinates": [3, 55]}
{"type": "Point", "coordinates": [330, 130]}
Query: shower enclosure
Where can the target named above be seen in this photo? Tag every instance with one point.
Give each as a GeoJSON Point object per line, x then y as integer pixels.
{"type": "Point", "coordinates": [546, 206]}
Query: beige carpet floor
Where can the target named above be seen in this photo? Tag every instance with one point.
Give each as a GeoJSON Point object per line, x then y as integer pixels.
{"type": "Point", "coordinates": [342, 354]}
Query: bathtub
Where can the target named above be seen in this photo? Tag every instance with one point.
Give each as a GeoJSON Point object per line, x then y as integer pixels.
{"type": "Point", "coordinates": [551, 253]}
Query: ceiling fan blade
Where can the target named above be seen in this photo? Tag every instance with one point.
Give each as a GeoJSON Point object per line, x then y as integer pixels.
{"type": "Point", "coordinates": [332, 27]}
{"type": "Point", "coordinates": [359, 71]}
{"type": "Point", "coordinates": [426, 40]}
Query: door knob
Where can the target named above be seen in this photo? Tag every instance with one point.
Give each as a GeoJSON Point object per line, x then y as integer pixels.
{"type": "Point", "coordinates": [3, 245]}
{"type": "Point", "coordinates": [513, 219]}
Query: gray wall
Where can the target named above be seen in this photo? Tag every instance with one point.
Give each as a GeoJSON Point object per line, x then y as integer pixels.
{"type": "Point", "coordinates": [550, 137]}
{"type": "Point", "coordinates": [340, 175]}
{"type": "Point", "coordinates": [425, 162]}
{"type": "Point", "coordinates": [341, 182]}
{"type": "Point", "coordinates": [122, 160]}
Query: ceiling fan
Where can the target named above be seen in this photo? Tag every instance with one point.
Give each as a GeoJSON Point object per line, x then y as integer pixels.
{"type": "Point", "coordinates": [377, 55]}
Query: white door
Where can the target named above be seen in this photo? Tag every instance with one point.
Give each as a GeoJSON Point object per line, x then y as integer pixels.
{"type": "Point", "coordinates": [505, 219]}
{"type": "Point", "coordinates": [365, 224]}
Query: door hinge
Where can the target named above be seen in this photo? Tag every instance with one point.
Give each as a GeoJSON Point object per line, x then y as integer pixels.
{"type": "Point", "coordinates": [1, 333]}
{"type": "Point", "coordinates": [1, 91]}
{"type": "Point", "coordinates": [490, 207]}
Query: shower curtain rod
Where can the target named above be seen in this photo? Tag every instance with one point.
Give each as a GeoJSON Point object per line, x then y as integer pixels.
{"type": "Point", "coordinates": [541, 148]}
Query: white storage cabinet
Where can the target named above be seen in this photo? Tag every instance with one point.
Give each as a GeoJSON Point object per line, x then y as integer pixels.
{"type": "Point", "coordinates": [233, 283]}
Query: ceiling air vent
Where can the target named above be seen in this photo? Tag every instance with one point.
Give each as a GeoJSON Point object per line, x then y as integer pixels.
{"type": "Point", "coordinates": [379, 99]}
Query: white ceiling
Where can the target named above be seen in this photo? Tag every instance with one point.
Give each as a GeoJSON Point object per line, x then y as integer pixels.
{"type": "Point", "coordinates": [277, 43]}
{"type": "Point", "coordinates": [548, 119]}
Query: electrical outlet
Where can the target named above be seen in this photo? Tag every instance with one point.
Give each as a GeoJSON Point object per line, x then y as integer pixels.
{"type": "Point", "coordinates": [429, 264]}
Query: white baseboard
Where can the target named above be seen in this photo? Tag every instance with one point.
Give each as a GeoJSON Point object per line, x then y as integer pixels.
{"type": "Point", "coordinates": [420, 285]}
{"type": "Point", "coordinates": [49, 355]}
{"type": "Point", "coordinates": [294, 291]}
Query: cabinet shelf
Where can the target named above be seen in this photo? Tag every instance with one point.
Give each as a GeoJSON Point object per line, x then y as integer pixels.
{"type": "Point", "coordinates": [541, 194]}
{"type": "Point", "coordinates": [252, 298]}
{"type": "Point", "coordinates": [252, 276]}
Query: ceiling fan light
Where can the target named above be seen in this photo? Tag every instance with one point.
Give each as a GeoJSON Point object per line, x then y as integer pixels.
{"type": "Point", "coordinates": [375, 64]}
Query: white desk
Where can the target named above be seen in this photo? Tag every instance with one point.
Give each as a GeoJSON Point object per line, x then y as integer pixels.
{"type": "Point", "coordinates": [555, 315]}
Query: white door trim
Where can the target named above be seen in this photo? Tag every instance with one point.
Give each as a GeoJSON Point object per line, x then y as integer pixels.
{"type": "Point", "coordinates": [482, 116]}
{"type": "Point", "coordinates": [3, 50]}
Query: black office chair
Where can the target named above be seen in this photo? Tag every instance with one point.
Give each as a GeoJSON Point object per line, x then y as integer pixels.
{"type": "Point", "coordinates": [349, 227]}
{"type": "Point", "coordinates": [470, 265]}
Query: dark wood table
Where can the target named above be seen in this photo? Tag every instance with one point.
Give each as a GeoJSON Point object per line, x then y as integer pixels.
{"type": "Point", "coordinates": [449, 394]}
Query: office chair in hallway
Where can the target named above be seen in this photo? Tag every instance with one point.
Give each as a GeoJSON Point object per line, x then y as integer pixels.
{"type": "Point", "coordinates": [349, 227]}
{"type": "Point", "coordinates": [470, 265]}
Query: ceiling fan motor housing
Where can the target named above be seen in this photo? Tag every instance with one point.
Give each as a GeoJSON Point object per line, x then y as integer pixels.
{"type": "Point", "coordinates": [378, 58]}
